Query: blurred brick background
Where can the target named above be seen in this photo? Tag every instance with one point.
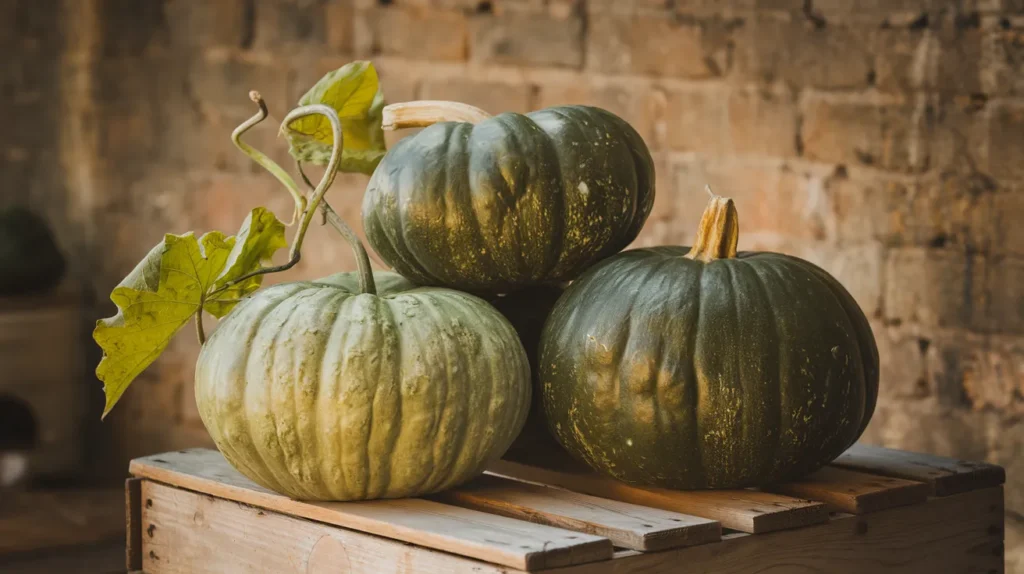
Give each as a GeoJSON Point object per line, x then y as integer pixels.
{"type": "Point", "coordinates": [882, 139]}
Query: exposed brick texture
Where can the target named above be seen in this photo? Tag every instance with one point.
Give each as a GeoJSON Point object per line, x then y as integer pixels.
{"type": "Point", "coordinates": [881, 139]}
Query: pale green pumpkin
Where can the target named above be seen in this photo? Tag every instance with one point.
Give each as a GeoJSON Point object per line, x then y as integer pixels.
{"type": "Point", "coordinates": [322, 392]}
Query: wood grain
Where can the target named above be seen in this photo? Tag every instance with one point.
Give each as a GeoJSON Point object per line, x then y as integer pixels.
{"type": "Point", "coordinates": [626, 525]}
{"type": "Point", "coordinates": [945, 476]}
{"type": "Point", "coordinates": [961, 533]}
{"type": "Point", "coordinates": [189, 533]}
{"type": "Point", "coordinates": [854, 492]}
{"type": "Point", "coordinates": [744, 510]}
{"type": "Point", "coordinates": [133, 523]}
{"type": "Point", "coordinates": [462, 531]}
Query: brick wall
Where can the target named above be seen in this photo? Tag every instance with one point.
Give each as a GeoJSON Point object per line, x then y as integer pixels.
{"type": "Point", "coordinates": [882, 139]}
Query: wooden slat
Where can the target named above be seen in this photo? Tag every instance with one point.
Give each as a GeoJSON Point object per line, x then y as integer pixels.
{"type": "Point", "coordinates": [133, 523]}
{"type": "Point", "coordinates": [854, 492]}
{"type": "Point", "coordinates": [944, 475]}
{"type": "Point", "coordinates": [626, 525]}
{"type": "Point", "coordinates": [744, 510]}
{"type": "Point", "coordinates": [462, 531]}
{"type": "Point", "coordinates": [189, 533]}
{"type": "Point", "coordinates": [958, 533]}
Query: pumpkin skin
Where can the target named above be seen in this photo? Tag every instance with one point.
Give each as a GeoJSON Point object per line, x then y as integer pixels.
{"type": "Point", "coordinates": [320, 392]}
{"type": "Point", "coordinates": [663, 370]}
{"type": "Point", "coordinates": [30, 260]}
{"type": "Point", "coordinates": [527, 310]}
{"type": "Point", "coordinates": [512, 201]}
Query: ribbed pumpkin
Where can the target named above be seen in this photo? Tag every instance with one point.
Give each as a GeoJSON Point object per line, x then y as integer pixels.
{"type": "Point", "coordinates": [703, 368]}
{"type": "Point", "coordinates": [321, 391]}
{"type": "Point", "coordinates": [511, 201]}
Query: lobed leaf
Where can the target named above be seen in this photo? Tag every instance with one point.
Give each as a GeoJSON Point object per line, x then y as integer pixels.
{"type": "Point", "coordinates": [176, 280]}
{"type": "Point", "coordinates": [354, 92]}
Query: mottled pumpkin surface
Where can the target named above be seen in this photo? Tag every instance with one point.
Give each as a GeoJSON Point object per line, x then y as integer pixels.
{"type": "Point", "coordinates": [318, 391]}
{"type": "Point", "coordinates": [512, 201]}
{"type": "Point", "coordinates": [663, 370]}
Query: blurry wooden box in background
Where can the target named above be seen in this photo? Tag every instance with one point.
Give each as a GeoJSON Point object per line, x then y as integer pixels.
{"type": "Point", "coordinates": [42, 392]}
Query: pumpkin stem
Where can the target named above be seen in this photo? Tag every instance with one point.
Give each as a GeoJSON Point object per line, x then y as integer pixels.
{"type": "Point", "coordinates": [428, 112]}
{"type": "Point", "coordinates": [264, 161]}
{"type": "Point", "coordinates": [719, 231]}
{"type": "Point", "coordinates": [366, 282]}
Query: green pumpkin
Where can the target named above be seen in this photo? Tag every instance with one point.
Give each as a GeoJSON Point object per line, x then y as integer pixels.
{"type": "Point", "coordinates": [322, 392]}
{"type": "Point", "coordinates": [512, 201]}
{"type": "Point", "coordinates": [29, 258]}
{"type": "Point", "coordinates": [527, 310]}
{"type": "Point", "coordinates": [703, 368]}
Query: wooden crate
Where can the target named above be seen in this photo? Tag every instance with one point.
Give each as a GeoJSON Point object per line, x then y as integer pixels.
{"type": "Point", "coordinates": [873, 510]}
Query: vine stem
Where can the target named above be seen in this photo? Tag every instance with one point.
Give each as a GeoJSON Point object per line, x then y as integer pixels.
{"type": "Point", "coordinates": [264, 161]}
{"type": "Point", "coordinates": [199, 327]}
{"type": "Point", "coordinates": [366, 281]}
{"type": "Point", "coordinates": [326, 209]}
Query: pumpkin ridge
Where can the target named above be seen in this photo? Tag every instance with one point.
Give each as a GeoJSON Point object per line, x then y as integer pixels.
{"type": "Point", "coordinates": [258, 324]}
{"type": "Point", "coordinates": [466, 425]}
{"type": "Point", "coordinates": [516, 140]}
{"type": "Point", "coordinates": [392, 196]}
{"type": "Point", "coordinates": [853, 328]}
{"type": "Point", "coordinates": [388, 316]}
{"type": "Point", "coordinates": [306, 368]}
{"type": "Point", "coordinates": [558, 207]}
{"type": "Point", "coordinates": [291, 458]}
{"type": "Point", "coordinates": [231, 453]}
{"type": "Point", "coordinates": [215, 417]}
{"type": "Point", "coordinates": [695, 403]}
{"type": "Point", "coordinates": [795, 270]}
{"type": "Point", "coordinates": [777, 391]}
{"type": "Point", "coordinates": [641, 206]}
{"type": "Point", "coordinates": [471, 190]}
{"type": "Point", "coordinates": [329, 391]}
{"type": "Point", "coordinates": [429, 307]}
{"type": "Point", "coordinates": [488, 368]}
{"type": "Point", "coordinates": [869, 359]}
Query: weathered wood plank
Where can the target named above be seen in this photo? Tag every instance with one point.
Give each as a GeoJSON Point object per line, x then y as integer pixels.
{"type": "Point", "coordinates": [744, 510]}
{"type": "Point", "coordinates": [133, 523]}
{"type": "Point", "coordinates": [854, 492]}
{"type": "Point", "coordinates": [462, 531]}
{"type": "Point", "coordinates": [944, 475]}
{"type": "Point", "coordinates": [961, 533]}
{"type": "Point", "coordinates": [189, 533]}
{"type": "Point", "coordinates": [626, 525]}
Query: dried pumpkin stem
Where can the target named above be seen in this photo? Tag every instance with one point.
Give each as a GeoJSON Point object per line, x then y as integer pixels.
{"type": "Point", "coordinates": [718, 233]}
{"type": "Point", "coordinates": [428, 112]}
{"type": "Point", "coordinates": [264, 161]}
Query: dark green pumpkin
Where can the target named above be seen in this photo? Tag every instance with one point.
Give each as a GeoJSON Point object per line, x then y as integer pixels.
{"type": "Point", "coordinates": [705, 368]}
{"type": "Point", "coordinates": [514, 200]}
{"type": "Point", "coordinates": [30, 261]}
{"type": "Point", "coordinates": [527, 310]}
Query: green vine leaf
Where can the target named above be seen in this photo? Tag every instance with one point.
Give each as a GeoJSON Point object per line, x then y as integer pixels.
{"type": "Point", "coordinates": [355, 94]}
{"type": "Point", "coordinates": [179, 278]}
